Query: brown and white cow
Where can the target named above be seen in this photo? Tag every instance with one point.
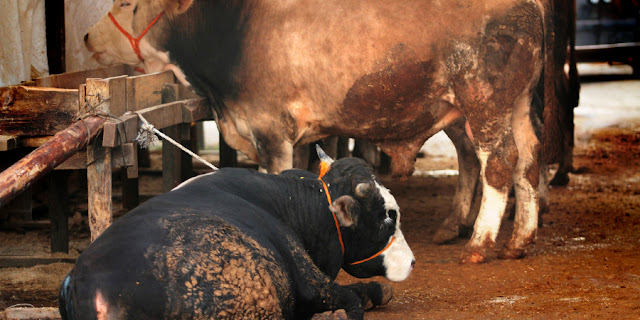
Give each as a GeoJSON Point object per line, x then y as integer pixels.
{"type": "Point", "coordinates": [286, 73]}
{"type": "Point", "coordinates": [556, 96]}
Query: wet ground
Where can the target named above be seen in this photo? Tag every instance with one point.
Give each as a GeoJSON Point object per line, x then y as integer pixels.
{"type": "Point", "coordinates": [584, 264]}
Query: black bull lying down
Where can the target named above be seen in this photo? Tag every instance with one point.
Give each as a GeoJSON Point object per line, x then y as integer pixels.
{"type": "Point", "coordinates": [245, 245]}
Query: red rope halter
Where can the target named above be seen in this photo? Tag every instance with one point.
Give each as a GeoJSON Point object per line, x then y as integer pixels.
{"type": "Point", "coordinates": [135, 42]}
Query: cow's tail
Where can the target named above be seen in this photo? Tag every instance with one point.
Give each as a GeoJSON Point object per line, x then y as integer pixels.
{"type": "Point", "coordinates": [65, 299]}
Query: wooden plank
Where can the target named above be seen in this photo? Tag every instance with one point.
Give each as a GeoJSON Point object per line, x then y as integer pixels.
{"type": "Point", "coordinates": [8, 142]}
{"type": "Point", "coordinates": [171, 158]}
{"type": "Point", "coordinates": [99, 186]}
{"type": "Point", "coordinates": [108, 96]}
{"type": "Point", "coordinates": [146, 90]}
{"type": "Point", "coordinates": [196, 110]}
{"type": "Point", "coordinates": [32, 111]}
{"type": "Point", "coordinates": [72, 80]}
{"type": "Point", "coordinates": [32, 313]}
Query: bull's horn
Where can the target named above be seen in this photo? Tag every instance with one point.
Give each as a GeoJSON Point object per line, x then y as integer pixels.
{"type": "Point", "coordinates": [323, 156]}
{"type": "Point", "coordinates": [363, 189]}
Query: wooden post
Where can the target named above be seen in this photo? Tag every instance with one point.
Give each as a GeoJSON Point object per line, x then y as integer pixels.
{"type": "Point", "coordinates": [99, 186]}
{"type": "Point", "coordinates": [174, 164]}
{"type": "Point", "coordinates": [58, 212]}
{"type": "Point", "coordinates": [99, 169]}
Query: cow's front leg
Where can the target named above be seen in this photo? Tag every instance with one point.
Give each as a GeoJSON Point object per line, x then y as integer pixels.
{"type": "Point", "coordinates": [372, 294]}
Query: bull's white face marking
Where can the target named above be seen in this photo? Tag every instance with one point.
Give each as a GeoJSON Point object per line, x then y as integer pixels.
{"type": "Point", "coordinates": [102, 308]}
{"type": "Point", "coordinates": [398, 259]}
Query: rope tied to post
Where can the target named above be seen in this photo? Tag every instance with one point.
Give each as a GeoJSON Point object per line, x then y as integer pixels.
{"type": "Point", "coordinates": [148, 135]}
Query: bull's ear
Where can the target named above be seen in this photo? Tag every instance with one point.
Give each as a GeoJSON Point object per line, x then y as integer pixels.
{"type": "Point", "coordinates": [345, 210]}
{"type": "Point", "coordinates": [173, 7]}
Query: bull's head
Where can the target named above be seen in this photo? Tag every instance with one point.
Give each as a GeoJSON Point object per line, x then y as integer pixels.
{"type": "Point", "coordinates": [370, 221]}
{"type": "Point", "coordinates": [116, 37]}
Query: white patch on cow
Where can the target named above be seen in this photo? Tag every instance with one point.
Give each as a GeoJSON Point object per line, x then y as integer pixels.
{"type": "Point", "coordinates": [102, 308]}
{"type": "Point", "coordinates": [492, 208]}
{"type": "Point", "coordinates": [398, 259]}
{"type": "Point", "coordinates": [526, 194]}
{"type": "Point", "coordinates": [190, 180]}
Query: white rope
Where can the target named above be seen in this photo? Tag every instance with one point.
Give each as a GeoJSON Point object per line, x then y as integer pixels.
{"type": "Point", "coordinates": [147, 131]}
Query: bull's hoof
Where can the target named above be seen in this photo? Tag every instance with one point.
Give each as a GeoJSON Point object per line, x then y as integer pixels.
{"type": "Point", "coordinates": [472, 257]}
{"type": "Point", "coordinates": [376, 294]}
{"type": "Point", "coordinates": [507, 253]}
{"type": "Point", "coordinates": [331, 315]}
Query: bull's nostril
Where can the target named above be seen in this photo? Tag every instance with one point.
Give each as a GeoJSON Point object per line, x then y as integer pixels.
{"type": "Point", "coordinates": [413, 263]}
{"type": "Point", "coordinates": [86, 37]}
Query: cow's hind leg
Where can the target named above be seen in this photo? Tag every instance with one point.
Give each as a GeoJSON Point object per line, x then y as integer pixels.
{"type": "Point", "coordinates": [526, 182]}
{"type": "Point", "coordinates": [463, 212]}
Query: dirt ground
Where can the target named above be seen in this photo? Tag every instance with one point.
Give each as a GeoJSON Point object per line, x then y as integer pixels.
{"type": "Point", "coordinates": [585, 263]}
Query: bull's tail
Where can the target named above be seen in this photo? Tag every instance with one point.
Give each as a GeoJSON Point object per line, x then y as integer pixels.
{"type": "Point", "coordinates": [65, 299]}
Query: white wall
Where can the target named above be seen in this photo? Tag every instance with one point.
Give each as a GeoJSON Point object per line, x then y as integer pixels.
{"type": "Point", "coordinates": [23, 45]}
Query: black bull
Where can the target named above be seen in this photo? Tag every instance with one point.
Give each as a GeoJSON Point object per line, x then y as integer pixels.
{"type": "Point", "coordinates": [242, 244]}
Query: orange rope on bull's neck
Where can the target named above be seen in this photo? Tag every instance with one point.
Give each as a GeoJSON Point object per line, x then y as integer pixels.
{"type": "Point", "coordinates": [324, 167]}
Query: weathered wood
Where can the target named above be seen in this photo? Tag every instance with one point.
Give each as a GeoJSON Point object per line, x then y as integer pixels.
{"type": "Point", "coordinates": [171, 155]}
{"type": "Point", "coordinates": [146, 90]}
{"type": "Point", "coordinates": [8, 143]}
{"type": "Point", "coordinates": [196, 110]}
{"type": "Point", "coordinates": [99, 187]}
{"type": "Point", "coordinates": [72, 80]}
{"type": "Point", "coordinates": [31, 314]}
{"type": "Point", "coordinates": [58, 211]}
{"type": "Point", "coordinates": [32, 111]}
{"type": "Point", "coordinates": [42, 160]}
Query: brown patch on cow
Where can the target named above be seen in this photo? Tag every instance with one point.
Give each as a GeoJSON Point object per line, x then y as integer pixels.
{"type": "Point", "coordinates": [399, 94]}
{"type": "Point", "coordinates": [501, 163]}
{"type": "Point", "coordinates": [211, 269]}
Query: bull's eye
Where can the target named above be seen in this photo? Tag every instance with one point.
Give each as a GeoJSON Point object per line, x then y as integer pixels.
{"type": "Point", "coordinates": [125, 4]}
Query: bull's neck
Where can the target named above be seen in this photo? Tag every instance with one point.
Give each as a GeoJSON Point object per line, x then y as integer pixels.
{"type": "Point", "coordinates": [301, 203]}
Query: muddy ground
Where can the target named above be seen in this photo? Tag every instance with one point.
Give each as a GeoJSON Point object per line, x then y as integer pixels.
{"type": "Point", "coordinates": [584, 264]}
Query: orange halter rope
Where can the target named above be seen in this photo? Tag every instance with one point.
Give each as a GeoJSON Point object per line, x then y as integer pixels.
{"type": "Point", "coordinates": [135, 42]}
{"type": "Point", "coordinates": [324, 168]}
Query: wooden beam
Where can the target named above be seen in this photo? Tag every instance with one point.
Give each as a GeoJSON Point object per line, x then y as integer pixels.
{"type": "Point", "coordinates": [32, 111]}
{"type": "Point", "coordinates": [72, 80]}
{"type": "Point", "coordinates": [146, 90]}
{"type": "Point", "coordinates": [36, 164]}
{"type": "Point", "coordinates": [31, 313]}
